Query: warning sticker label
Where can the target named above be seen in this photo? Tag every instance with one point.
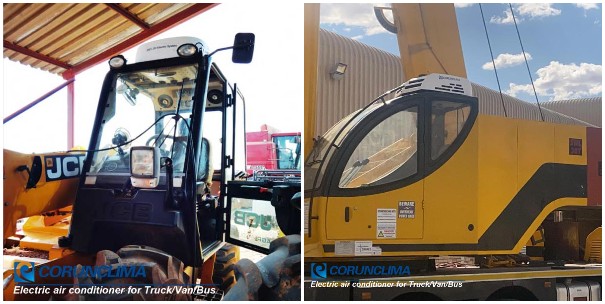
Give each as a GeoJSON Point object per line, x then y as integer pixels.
{"type": "Point", "coordinates": [386, 223]}
{"type": "Point", "coordinates": [363, 248]}
{"type": "Point", "coordinates": [407, 210]}
{"type": "Point", "coordinates": [356, 248]}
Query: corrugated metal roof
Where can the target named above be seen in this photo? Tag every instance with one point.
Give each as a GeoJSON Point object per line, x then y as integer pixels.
{"type": "Point", "coordinates": [585, 109]}
{"type": "Point", "coordinates": [370, 72]}
{"type": "Point", "coordinates": [60, 37]}
{"type": "Point", "coordinates": [490, 103]}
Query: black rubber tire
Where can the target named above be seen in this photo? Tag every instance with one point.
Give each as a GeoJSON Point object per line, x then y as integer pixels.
{"type": "Point", "coordinates": [224, 275]}
{"type": "Point", "coordinates": [159, 266]}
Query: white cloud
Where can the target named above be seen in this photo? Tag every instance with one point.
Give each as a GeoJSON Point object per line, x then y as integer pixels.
{"type": "Point", "coordinates": [463, 5]}
{"type": "Point", "coordinates": [515, 89]}
{"type": "Point", "coordinates": [587, 6]}
{"type": "Point", "coordinates": [507, 19]}
{"type": "Point", "coordinates": [564, 81]}
{"type": "Point", "coordinates": [506, 60]}
{"type": "Point", "coordinates": [537, 10]}
{"type": "Point", "coordinates": [353, 15]}
{"type": "Point", "coordinates": [526, 10]}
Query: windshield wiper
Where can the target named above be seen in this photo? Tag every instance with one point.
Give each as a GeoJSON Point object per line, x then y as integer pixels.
{"type": "Point", "coordinates": [317, 145]}
{"type": "Point", "coordinates": [354, 170]}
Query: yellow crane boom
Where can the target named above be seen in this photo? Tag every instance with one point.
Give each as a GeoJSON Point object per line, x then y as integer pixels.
{"type": "Point", "coordinates": [427, 46]}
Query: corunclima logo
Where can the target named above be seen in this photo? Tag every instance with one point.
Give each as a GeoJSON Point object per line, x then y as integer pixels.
{"type": "Point", "coordinates": [321, 271]}
{"type": "Point", "coordinates": [318, 271]}
{"type": "Point", "coordinates": [24, 272]}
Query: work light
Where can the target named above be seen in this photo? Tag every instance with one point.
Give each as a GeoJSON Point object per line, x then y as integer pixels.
{"type": "Point", "coordinates": [187, 50]}
{"type": "Point", "coordinates": [117, 62]}
{"type": "Point", "coordinates": [144, 166]}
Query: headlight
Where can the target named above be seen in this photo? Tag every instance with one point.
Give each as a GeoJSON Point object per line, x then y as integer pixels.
{"type": "Point", "coordinates": [187, 50]}
{"type": "Point", "coordinates": [143, 164]}
{"type": "Point", "coordinates": [117, 62]}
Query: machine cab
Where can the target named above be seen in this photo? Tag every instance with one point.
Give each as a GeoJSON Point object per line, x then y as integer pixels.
{"type": "Point", "coordinates": [388, 147]}
{"type": "Point", "coordinates": [168, 138]}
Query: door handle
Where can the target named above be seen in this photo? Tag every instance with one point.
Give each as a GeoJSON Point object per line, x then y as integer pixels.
{"type": "Point", "coordinates": [347, 214]}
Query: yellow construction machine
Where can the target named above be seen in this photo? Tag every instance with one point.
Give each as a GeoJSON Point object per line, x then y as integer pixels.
{"type": "Point", "coordinates": [149, 209]}
{"type": "Point", "coordinates": [439, 166]}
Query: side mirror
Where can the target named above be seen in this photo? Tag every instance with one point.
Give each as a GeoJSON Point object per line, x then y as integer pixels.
{"type": "Point", "coordinates": [243, 48]}
{"type": "Point", "coordinates": [145, 166]}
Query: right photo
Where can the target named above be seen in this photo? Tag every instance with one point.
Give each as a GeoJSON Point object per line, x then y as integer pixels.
{"type": "Point", "coordinates": [453, 152]}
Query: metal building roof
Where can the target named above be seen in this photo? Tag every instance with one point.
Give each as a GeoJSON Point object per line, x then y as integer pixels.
{"type": "Point", "coordinates": [585, 109]}
{"type": "Point", "coordinates": [490, 103]}
{"type": "Point", "coordinates": [67, 38]}
{"type": "Point", "coordinates": [370, 72]}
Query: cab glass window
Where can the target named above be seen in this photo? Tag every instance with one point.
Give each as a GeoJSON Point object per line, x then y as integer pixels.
{"type": "Point", "coordinates": [447, 120]}
{"type": "Point", "coordinates": [142, 110]}
{"type": "Point", "coordinates": [386, 154]}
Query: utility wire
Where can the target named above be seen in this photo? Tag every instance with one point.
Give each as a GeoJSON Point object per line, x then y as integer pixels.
{"type": "Point", "coordinates": [493, 61]}
{"type": "Point", "coordinates": [526, 63]}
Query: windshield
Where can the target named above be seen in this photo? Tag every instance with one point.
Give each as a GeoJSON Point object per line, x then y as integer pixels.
{"type": "Point", "coordinates": [320, 153]}
{"type": "Point", "coordinates": [141, 110]}
{"type": "Point", "coordinates": [288, 148]}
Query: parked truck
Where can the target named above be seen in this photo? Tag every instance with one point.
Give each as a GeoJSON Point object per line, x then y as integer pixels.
{"type": "Point", "coordinates": [273, 155]}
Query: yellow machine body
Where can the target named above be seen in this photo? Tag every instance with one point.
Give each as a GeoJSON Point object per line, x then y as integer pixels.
{"type": "Point", "coordinates": [594, 246]}
{"type": "Point", "coordinates": [48, 193]}
{"type": "Point", "coordinates": [477, 202]}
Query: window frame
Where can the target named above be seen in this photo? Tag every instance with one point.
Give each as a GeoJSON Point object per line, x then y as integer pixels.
{"type": "Point", "coordinates": [360, 131]}
{"type": "Point", "coordinates": [433, 165]}
{"type": "Point", "coordinates": [425, 166]}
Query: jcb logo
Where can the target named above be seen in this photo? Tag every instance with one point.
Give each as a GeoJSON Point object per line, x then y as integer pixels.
{"type": "Point", "coordinates": [63, 166]}
{"type": "Point", "coordinates": [251, 219]}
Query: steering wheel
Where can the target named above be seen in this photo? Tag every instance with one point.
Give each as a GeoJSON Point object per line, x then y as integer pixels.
{"type": "Point", "coordinates": [161, 138]}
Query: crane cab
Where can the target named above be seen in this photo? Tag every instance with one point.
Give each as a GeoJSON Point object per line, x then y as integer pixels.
{"type": "Point", "coordinates": [430, 172]}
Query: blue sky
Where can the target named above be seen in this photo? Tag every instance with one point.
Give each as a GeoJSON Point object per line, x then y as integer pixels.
{"type": "Point", "coordinates": [563, 43]}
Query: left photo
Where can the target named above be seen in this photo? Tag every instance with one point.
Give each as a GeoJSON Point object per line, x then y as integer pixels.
{"type": "Point", "coordinates": [152, 152]}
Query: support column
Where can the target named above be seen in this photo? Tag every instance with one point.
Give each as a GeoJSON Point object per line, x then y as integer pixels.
{"type": "Point", "coordinates": [311, 54]}
{"type": "Point", "coordinates": [70, 114]}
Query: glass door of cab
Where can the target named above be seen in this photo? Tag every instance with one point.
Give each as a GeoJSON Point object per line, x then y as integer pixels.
{"type": "Point", "coordinates": [366, 201]}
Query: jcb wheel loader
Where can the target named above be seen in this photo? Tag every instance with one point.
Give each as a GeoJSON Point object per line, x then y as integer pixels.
{"type": "Point", "coordinates": [150, 209]}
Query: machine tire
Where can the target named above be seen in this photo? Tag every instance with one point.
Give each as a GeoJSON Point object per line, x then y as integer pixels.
{"type": "Point", "coordinates": [224, 274]}
{"type": "Point", "coordinates": [161, 268]}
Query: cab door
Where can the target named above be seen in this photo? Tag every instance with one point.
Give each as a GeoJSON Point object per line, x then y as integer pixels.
{"type": "Point", "coordinates": [376, 190]}
{"type": "Point", "coordinates": [258, 213]}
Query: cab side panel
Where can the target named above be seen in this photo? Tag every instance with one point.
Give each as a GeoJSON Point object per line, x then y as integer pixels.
{"type": "Point", "coordinates": [362, 217]}
{"type": "Point", "coordinates": [497, 175]}
{"type": "Point", "coordinates": [548, 177]}
{"type": "Point", "coordinates": [450, 193]}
